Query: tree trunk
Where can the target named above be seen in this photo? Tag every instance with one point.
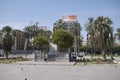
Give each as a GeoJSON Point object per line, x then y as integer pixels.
{"type": "Point", "coordinates": [75, 44]}
{"type": "Point", "coordinates": [15, 43]}
{"type": "Point", "coordinates": [78, 42]}
{"type": "Point", "coordinates": [104, 54]}
{"type": "Point", "coordinates": [25, 46]}
{"type": "Point", "coordinates": [6, 55]}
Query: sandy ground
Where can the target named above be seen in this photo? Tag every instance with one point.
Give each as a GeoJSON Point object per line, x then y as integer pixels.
{"type": "Point", "coordinates": [58, 71]}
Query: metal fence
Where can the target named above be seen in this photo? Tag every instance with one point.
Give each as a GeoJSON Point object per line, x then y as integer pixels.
{"type": "Point", "coordinates": [37, 55]}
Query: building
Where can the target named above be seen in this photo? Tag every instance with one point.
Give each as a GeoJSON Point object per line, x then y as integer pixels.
{"type": "Point", "coordinates": [19, 40]}
{"type": "Point", "coordinates": [84, 43]}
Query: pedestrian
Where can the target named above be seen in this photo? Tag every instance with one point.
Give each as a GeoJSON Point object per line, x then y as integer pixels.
{"type": "Point", "coordinates": [45, 57]}
{"type": "Point", "coordinates": [74, 56]}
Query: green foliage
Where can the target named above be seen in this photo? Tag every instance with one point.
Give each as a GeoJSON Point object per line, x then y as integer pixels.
{"type": "Point", "coordinates": [76, 28]}
{"type": "Point", "coordinates": [86, 49]}
{"type": "Point", "coordinates": [32, 31]}
{"type": "Point", "coordinates": [116, 49]}
{"type": "Point", "coordinates": [7, 43]}
{"type": "Point", "coordinates": [0, 40]}
{"type": "Point", "coordinates": [100, 34]}
{"type": "Point", "coordinates": [73, 27]}
{"type": "Point", "coordinates": [6, 29]}
{"type": "Point", "coordinates": [7, 40]}
{"type": "Point", "coordinates": [118, 34]}
{"type": "Point", "coordinates": [41, 42]}
{"type": "Point", "coordinates": [58, 25]}
{"type": "Point", "coordinates": [62, 38]}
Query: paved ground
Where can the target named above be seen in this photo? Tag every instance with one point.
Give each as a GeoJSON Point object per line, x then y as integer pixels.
{"type": "Point", "coordinates": [58, 71]}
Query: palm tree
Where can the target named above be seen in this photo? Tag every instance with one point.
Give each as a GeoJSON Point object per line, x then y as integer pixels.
{"type": "Point", "coordinates": [7, 40]}
{"type": "Point", "coordinates": [89, 27]}
{"type": "Point", "coordinates": [0, 39]}
{"type": "Point", "coordinates": [15, 39]}
{"type": "Point", "coordinates": [58, 25]}
{"type": "Point", "coordinates": [27, 34]}
{"type": "Point", "coordinates": [103, 30]}
{"type": "Point", "coordinates": [75, 29]}
{"type": "Point", "coordinates": [34, 30]}
{"type": "Point", "coordinates": [118, 34]}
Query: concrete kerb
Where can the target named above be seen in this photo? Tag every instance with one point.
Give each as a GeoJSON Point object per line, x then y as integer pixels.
{"type": "Point", "coordinates": [54, 63]}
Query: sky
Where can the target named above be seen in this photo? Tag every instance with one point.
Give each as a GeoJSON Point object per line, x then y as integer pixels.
{"type": "Point", "coordinates": [19, 13]}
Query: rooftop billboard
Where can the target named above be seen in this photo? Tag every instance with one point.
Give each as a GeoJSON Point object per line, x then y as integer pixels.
{"type": "Point", "coordinates": [69, 18]}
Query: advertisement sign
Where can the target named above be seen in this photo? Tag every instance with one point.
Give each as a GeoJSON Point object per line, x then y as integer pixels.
{"type": "Point", "coordinates": [43, 27]}
{"type": "Point", "coordinates": [69, 18]}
